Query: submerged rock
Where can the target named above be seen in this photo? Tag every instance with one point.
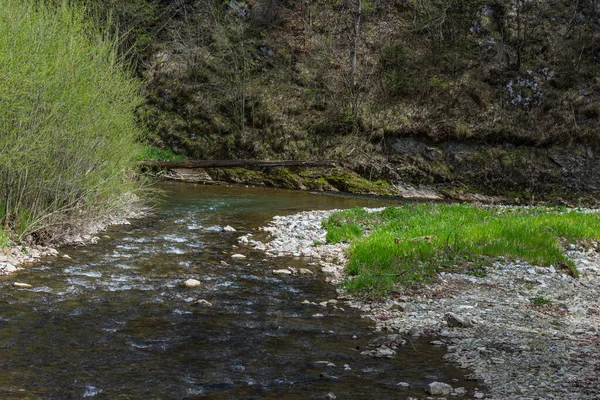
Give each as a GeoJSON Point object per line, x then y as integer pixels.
{"type": "Point", "coordinates": [304, 271]}
{"type": "Point", "coordinates": [381, 352]}
{"type": "Point", "coordinates": [438, 388]}
{"type": "Point", "coordinates": [325, 364]}
{"type": "Point", "coordinates": [392, 341]}
{"type": "Point", "coordinates": [192, 283]}
{"type": "Point", "coordinates": [203, 302]}
{"type": "Point", "coordinates": [229, 229]}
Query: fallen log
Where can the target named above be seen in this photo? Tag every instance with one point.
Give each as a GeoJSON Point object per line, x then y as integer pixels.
{"type": "Point", "coordinates": [236, 164]}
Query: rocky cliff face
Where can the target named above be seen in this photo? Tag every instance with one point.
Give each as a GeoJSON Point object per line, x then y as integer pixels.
{"type": "Point", "coordinates": [520, 173]}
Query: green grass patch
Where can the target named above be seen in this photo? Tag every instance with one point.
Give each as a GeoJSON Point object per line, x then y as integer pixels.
{"type": "Point", "coordinates": [4, 239]}
{"type": "Point", "coordinates": [411, 244]}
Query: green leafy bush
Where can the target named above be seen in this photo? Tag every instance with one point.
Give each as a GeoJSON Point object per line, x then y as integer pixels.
{"type": "Point", "coordinates": [67, 126]}
{"type": "Point", "coordinates": [153, 153]}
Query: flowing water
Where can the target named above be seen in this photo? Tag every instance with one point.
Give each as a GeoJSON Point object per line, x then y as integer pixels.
{"type": "Point", "coordinates": [116, 322]}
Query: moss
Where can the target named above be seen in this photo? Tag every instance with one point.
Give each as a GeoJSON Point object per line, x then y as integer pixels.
{"type": "Point", "coordinates": [349, 181]}
{"type": "Point", "coordinates": [284, 178]}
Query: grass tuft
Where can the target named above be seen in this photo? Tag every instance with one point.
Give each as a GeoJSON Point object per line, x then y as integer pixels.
{"type": "Point", "coordinates": [410, 244]}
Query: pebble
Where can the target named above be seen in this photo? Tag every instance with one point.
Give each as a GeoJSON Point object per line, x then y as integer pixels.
{"type": "Point", "coordinates": [20, 285]}
{"type": "Point", "coordinates": [229, 229]}
{"type": "Point", "coordinates": [460, 391]}
{"type": "Point", "coordinates": [240, 256]}
{"type": "Point", "coordinates": [282, 272]}
{"type": "Point", "coordinates": [192, 283]}
{"type": "Point", "coordinates": [456, 321]}
{"type": "Point", "coordinates": [325, 364]}
{"type": "Point", "coordinates": [203, 302]}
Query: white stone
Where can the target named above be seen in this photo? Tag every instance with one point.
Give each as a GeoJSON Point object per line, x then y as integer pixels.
{"type": "Point", "coordinates": [325, 363]}
{"type": "Point", "coordinates": [20, 285]}
{"type": "Point", "coordinates": [238, 256]}
{"type": "Point", "coordinates": [7, 268]}
{"type": "Point", "coordinates": [282, 272]}
{"type": "Point", "coordinates": [229, 229]}
{"type": "Point", "coordinates": [192, 283]}
{"type": "Point", "coordinates": [203, 302]}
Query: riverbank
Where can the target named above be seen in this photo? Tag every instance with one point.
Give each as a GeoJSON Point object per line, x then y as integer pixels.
{"type": "Point", "coordinates": [15, 257]}
{"type": "Point", "coordinates": [525, 331]}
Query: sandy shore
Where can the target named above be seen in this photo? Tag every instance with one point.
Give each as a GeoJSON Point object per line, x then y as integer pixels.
{"type": "Point", "coordinates": [494, 326]}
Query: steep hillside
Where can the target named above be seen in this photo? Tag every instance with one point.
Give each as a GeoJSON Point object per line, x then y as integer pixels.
{"type": "Point", "coordinates": [505, 81]}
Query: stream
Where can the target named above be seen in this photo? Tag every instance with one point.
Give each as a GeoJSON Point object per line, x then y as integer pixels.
{"type": "Point", "coordinates": [116, 321]}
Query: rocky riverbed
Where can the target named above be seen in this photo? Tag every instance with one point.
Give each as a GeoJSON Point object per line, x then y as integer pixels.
{"type": "Point", "coordinates": [13, 258]}
{"type": "Point", "coordinates": [527, 332]}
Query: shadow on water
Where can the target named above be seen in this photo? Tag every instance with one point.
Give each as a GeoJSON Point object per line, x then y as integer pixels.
{"type": "Point", "coordinates": [116, 322]}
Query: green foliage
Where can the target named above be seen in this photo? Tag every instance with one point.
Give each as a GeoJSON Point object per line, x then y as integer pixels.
{"type": "Point", "coordinates": [153, 153]}
{"type": "Point", "coordinates": [410, 244]}
{"type": "Point", "coordinates": [396, 73]}
{"type": "Point", "coordinates": [540, 301]}
{"type": "Point", "coordinates": [67, 115]}
{"type": "Point", "coordinates": [344, 233]}
{"type": "Point", "coordinates": [133, 21]}
{"type": "Point", "coordinates": [4, 239]}
{"type": "Point", "coordinates": [345, 228]}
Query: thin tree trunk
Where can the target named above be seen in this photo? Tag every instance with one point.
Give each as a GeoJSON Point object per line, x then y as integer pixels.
{"type": "Point", "coordinates": [355, 39]}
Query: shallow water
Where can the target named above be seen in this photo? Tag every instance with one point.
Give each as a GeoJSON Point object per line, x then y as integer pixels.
{"type": "Point", "coordinates": [116, 321]}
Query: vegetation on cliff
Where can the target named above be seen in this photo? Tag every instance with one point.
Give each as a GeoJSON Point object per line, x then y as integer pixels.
{"type": "Point", "coordinates": [264, 78]}
{"type": "Point", "coordinates": [68, 129]}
